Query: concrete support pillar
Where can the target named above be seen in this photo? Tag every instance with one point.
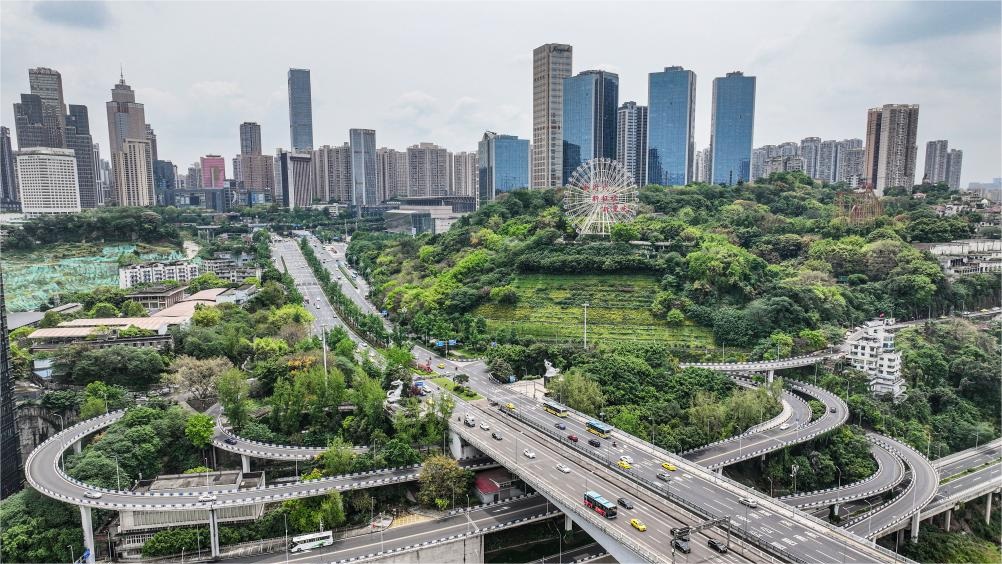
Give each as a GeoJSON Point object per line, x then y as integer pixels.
{"type": "Point", "coordinates": [568, 524]}
{"type": "Point", "coordinates": [916, 519]}
{"type": "Point", "coordinates": [946, 520]}
{"type": "Point", "coordinates": [245, 463]}
{"type": "Point", "coordinates": [835, 508]}
{"type": "Point", "coordinates": [988, 508]}
{"type": "Point", "coordinates": [88, 533]}
{"type": "Point", "coordinates": [900, 539]}
{"type": "Point", "coordinates": [213, 534]}
{"type": "Point", "coordinates": [772, 374]}
{"type": "Point", "coordinates": [77, 447]}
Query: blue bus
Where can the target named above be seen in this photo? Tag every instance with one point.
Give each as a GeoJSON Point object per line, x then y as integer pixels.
{"type": "Point", "coordinates": [594, 500]}
{"type": "Point", "coordinates": [601, 429]}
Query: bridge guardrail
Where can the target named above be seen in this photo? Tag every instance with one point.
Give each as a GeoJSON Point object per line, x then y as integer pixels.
{"type": "Point", "coordinates": [855, 485]}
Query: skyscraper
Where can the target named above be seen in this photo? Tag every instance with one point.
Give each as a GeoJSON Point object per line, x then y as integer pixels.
{"type": "Point", "coordinates": [849, 162]}
{"type": "Point", "coordinates": [701, 166]}
{"type": "Point", "coordinates": [78, 138]}
{"type": "Point", "coordinates": [133, 173]}
{"type": "Point", "coordinates": [954, 160]}
{"type": "Point", "coordinates": [503, 162]}
{"type": "Point", "coordinates": [300, 110]}
{"type": "Point", "coordinates": [8, 178]}
{"type": "Point", "coordinates": [47, 178]}
{"type": "Point", "coordinates": [11, 475]}
{"type": "Point", "coordinates": [332, 169]}
{"type": "Point", "coordinates": [670, 147]}
{"type": "Point", "coordinates": [164, 175]}
{"type": "Point", "coordinates": [631, 140]}
{"type": "Point", "coordinates": [935, 160]}
{"type": "Point", "coordinates": [591, 100]}
{"type": "Point", "coordinates": [127, 121]}
{"type": "Point", "coordinates": [809, 149]}
{"type": "Point", "coordinates": [250, 138]}
{"type": "Point", "coordinates": [465, 174]}
{"type": "Point", "coordinates": [213, 171]}
{"type": "Point", "coordinates": [31, 127]}
{"type": "Point", "coordinates": [891, 131]}
{"type": "Point", "coordinates": [427, 170]}
{"type": "Point", "coordinates": [296, 182]}
{"type": "Point", "coordinates": [732, 126]}
{"type": "Point", "coordinates": [364, 187]}
{"type": "Point", "coordinates": [551, 64]}
{"type": "Point", "coordinates": [391, 173]}
{"type": "Point", "coordinates": [827, 161]}
{"type": "Point", "coordinates": [47, 84]}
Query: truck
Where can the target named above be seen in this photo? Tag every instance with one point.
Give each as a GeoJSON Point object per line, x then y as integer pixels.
{"type": "Point", "coordinates": [469, 421]}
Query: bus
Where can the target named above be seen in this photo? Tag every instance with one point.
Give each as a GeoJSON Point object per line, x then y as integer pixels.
{"type": "Point", "coordinates": [315, 540]}
{"type": "Point", "coordinates": [555, 408]}
{"type": "Point", "coordinates": [598, 428]}
{"type": "Point", "coordinates": [594, 500]}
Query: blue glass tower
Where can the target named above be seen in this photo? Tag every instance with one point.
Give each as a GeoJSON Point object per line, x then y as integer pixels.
{"type": "Point", "coordinates": [300, 110]}
{"type": "Point", "coordinates": [731, 127]}
{"type": "Point", "coordinates": [503, 165]}
{"type": "Point", "coordinates": [671, 107]}
{"type": "Point", "coordinates": [591, 101]}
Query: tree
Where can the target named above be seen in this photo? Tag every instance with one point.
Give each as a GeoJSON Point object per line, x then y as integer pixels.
{"type": "Point", "coordinates": [199, 376]}
{"type": "Point", "coordinates": [233, 390]}
{"type": "Point", "coordinates": [398, 452]}
{"type": "Point", "coordinates": [103, 309]}
{"type": "Point", "coordinates": [440, 480]}
{"type": "Point", "coordinates": [200, 429]}
{"type": "Point", "coordinates": [206, 281]}
{"type": "Point", "coordinates": [338, 457]}
{"type": "Point", "coordinates": [500, 369]}
{"type": "Point", "coordinates": [120, 364]}
{"type": "Point", "coordinates": [578, 392]}
{"type": "Point", "coordinates": [132, 308]}
{"type": "Point", "coordinates": [206, 316]}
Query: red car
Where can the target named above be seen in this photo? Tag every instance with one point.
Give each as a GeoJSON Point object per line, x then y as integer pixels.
{"type": "Point", "coordinates": [572, 438]}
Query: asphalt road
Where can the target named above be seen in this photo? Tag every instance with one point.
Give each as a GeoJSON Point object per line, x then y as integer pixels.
{"type": "Point", "coordinates": [985, 476]}
{"type": "Point", "coordinates": [970, 458]}
{"type": "Point", "coordinates": [890, 473]}
{"type": "Point", "coordinates": [306, 283]}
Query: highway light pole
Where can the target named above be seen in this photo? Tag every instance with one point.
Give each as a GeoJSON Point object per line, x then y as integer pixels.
{"type": "Point", "coordinates": [586, 325]}
{"type": "Point", "coordinates": [323, 340]}
{"type": "Point", "coordinates": [118, 478]}
{"type": "Point", "coordinates": [839, 476]}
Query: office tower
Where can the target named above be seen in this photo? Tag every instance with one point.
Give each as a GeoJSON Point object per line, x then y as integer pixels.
{"type": "Point", "coordinates": [465, 174]}
{"type": "Point", "coordinates": [332, 169]}
{"type": "Point", "coordinates": [78, 138]}
{"type": "Point", "coordinates": [849, 161]}
{"type": "Point", "coordinates": [364, 188]}
{"type": "Point", "coordinates": [257, 173]}
{"type": "Point", "coordinates": [11, 475]}
{"type": "Point", "coordinates": [809, 149]}
{"type": "Point", "coordinates": [591, 100]}
{"type": "Point", "coordinates": [954, 160]}
{"type": "Point", "coordinates": [890, 146]}
{"type": "Point", "coordinates": [300, 110]}
{"type": "Point", "coordinates": [151, 136]}
{"type": "Point", "coordinates": [672, 106]}
{"type": "Point", "coordinates": [193, 181]}
{"type": "Point", "coordinates": [391, 173]}
{"type": "Point", "coordinates": [213, 171]}
{"type": "Point", "coordinates": [47, 84]}
{"type": "Point", "coordinates": [503, 163]}
{"type": "Point", "coordinates": [32, 127]}
{"type": "Point", "coordinates": [427, 170]}
{"type": "Point", "coordinates": [8, 177]}
{"type": "Point", "coordinates": [757, 167]}
{"type": "Point", "coordinates": [164, 175]}
{"type": "Point", "coordinates": [127, 121]}
{"type": "Point", "coordinates": [47, 178]}
{"type": "Point", "coordinates": [551, 64]}
{"type": "Point", "coordinates": [250, 138]}
{"type": "Point", "coordinates": [102, 176]}
{"type": "Point", "coordinates": [133, 173]}
{"type": "Point", "coordinates": [631, 140]}
{"type": "Point", "coordinates": [731, 128]}
{"type": "Point", "coordinates": [296, 184]}
{"type": "Point", "coordinates": [827, 161]}
{"type": "Point", "coordinates": [935, 161]}
{"type": "Point", "coordinates": [238, 174]}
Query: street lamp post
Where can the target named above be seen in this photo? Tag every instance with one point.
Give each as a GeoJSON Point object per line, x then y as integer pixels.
{"type": "Point", "coordinates": [73, 558]}
{"type": "Point", "coordinates": [586, 325]}
{"type": "Point", "coordinates": [118, 477]}
{"type": "Point", "coordinates": [839, 476]}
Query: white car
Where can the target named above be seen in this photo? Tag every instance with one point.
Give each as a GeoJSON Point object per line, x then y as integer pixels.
{"type": "Point", "coordinates": [626, 458]}
{"type": "Point", "coordinates": [563, 468]}
{"type": "Point", "coordinates": [784, 426]}
{"type": "Point", "coordinates": [93, 495]}
{"type": "Point", "coordinates": [749, 502]}
{"type": "Point", "coordinates": [528, 453]}
{"type": "Point", "coordinates": [485, 426]}
{"type": "Point", "coordinates": [207, 497]}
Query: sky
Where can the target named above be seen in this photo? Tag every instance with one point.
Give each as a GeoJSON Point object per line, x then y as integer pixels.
{"type": "Point", "coordinates": [445, 72]}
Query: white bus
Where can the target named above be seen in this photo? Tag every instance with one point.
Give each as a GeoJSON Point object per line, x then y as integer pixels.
{"type": "Point", "coordinates": [314, 540]}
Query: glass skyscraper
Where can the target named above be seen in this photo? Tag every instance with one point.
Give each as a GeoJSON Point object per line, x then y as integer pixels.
{"type": "Point", "coordinates": [731, 127]}
{"type": "Point", "coordinates": [671, 107]}
{"type": "Point", "coordinates": [300, 110]}
{"type": "Point", "coordinates": [591, 101]}
{"type": "Point", "coordinates": [364, 188]}
{"type": "Point", "coordinates": [503, 165]}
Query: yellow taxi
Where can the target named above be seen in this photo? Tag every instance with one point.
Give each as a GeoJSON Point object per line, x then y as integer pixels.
{"type": "Point", "coordinates": [623, 464]}
{"type": "Point", "coordinates": [668, 466]}
{"type": "Point", "coordinates": [509, 406]}
{"type": "Point", "coordinates": [638, 525]}
{"type": "Point", "coordinates": [441, 365]}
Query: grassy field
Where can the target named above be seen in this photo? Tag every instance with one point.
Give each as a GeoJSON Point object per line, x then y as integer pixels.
{"type": "Point", "coordinates": [551, 308]}
{"type": "Point", "coordinates": [447, 384]}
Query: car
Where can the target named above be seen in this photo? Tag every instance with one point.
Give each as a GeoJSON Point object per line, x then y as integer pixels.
{"type": "Point", "coordinates": [572, 438]}
{"type": "Point", "coordinates": [509, 406]}
{"type": "Point", "coordinates": [441, 365]}
{"type": "Point", "coordinates": [594, 442]}
{"type": "Point", "coordinates": [563, 468]}
{"type": "Point", "coordinates": [831, 410]}
{"type": "Point", "coordinates": [318, 306]}
{"type": "Point", "coordinates": [669, 466]}
{"type": "Point", "coordinates": [680, 533]}
{"type": "Point", "coordinates": [681, 546]}
{"type": "Point", "coordinates": [93, 495]}
{"type": "Point", "coordinates": [623, 464]}
{"type": "Point", "coordinates": [485, 426]}
{"type": "Point", "coordinates": [230, 441]}
{"type": "Point", "coordinates": [625, 503]}
{"type": "Point", "coordinates": [561, 426]}
{"type": "Point", "coordinates": [784, 426]}
{"type": "Point", "coordinates": [638, 525]}
{"type": "Point", "coordinates": [749, 502]}
{"type": "Point", "coordinates": [664, 476]}
{"type": "Point", "coordinates": [207, 497]}
{"type": "Point", "coordinates": [626, 458]}
{"type": "Point", "coordinates": [718, 545]}
{"type": "Point", "coordinates": [528, 453]}
{"type": "Point", "coordinates": [496, 436]}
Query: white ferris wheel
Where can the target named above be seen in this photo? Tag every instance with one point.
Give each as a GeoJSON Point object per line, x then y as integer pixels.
{"type": "Point", "coordinates": [599, 194]}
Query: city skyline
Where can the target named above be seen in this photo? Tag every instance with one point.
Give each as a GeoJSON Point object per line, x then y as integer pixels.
{"type": "Point", "coordinates": [412, 105]}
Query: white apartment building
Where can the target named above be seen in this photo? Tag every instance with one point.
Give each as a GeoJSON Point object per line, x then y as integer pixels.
{"type": "Point", "coordinates": [155, 272]}
{"type": "Point", "coordinates": [48, 181]}
{"type": "Point", "coordinates": [874, 354]}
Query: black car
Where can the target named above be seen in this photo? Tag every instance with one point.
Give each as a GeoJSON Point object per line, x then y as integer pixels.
{"type": "Point", "coordinates": [717, 545]}
{"type": "Point", "coordinates": [623, 502]}
{"type": "Point", "coordinates": [496, 435]}
{"type": "Point", "coordinates": [681, 546]}
{"type": "Point", "coordinates": [561, 426]}
{"type": "Point", "coordinates": [594, 442]}
{"type": "Point", "coordinates": [230, 441]}
{"type": "Point", "coordinates": [831, 410]}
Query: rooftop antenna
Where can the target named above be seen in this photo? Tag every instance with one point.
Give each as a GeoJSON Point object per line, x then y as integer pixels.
{"type": "Point", "coordinates": [121, 74]}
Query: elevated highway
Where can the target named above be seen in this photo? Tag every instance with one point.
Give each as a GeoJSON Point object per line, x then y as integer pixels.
{"type": "Point", "coordinates": [890, 472]}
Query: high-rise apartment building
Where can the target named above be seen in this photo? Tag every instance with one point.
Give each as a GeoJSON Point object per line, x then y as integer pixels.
{"type": "Point", "coordinates": [701, 166]}
{"type": "Point", "coordinates": [133, 173]}
{"type": "Point", "coordinates": [257, 173]}
{"type": "Point", "coordinates": [954, 160]}
{"type": "Point", "coordinates": [732, 127]}
{"type": "Point", "coordinates": [503, 164]}
{"type": "Point", "coordinates": [631, 140]}
{"type": "Point", "coordinates": [591, 100]}
{"type": "Point", "coordinates": [332, 169]}
{"type": "Point", "coordinates": [465, 174]}
{"type": "Point", "coordinates": [8, 177]}
{"type": "Point", "coordinates": [672, 109]}
{"type": "Point", "coordinates": [849, 162]}
{"type": "Point", "coordinates": [391, 173]}
{"type": "Point", "coordinates": [551, 64]}
{"type": "Point", "coordinates": [935, 161]}
{"type": "Point", "coordinates": [295, 186]}
{"type": "Point", "coordinates": [827, 161]}
{"type": "Point", "coordinates": [47, 178]}
{"type": "Point", "coordinates": [250, 138]}
{"type": "Point", "coordinates": [78, 138]}
{"type": "Point", "coordinates": [193, 180]}
{"type": "Point", "coordinates": [809, 150]}
{"type": "Point", "coordinates": [300, 110]}
{"type": "Point", "coordinates": [789, 149]}
{"type": "Point", "coordinates": [213, 171]}
{"type": "Point", "coordinates": [891, 131]}
{"type": "Point", "coordinates": [427, 170]}
{"type": "Point", "coordinates": [151, 136]}
{"type": "Point", "coordinates": [758, 157]}
{"type": "Point", "coordinates": [364, 185]}
{"type": "Point", "coordinates": [782, 164]}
